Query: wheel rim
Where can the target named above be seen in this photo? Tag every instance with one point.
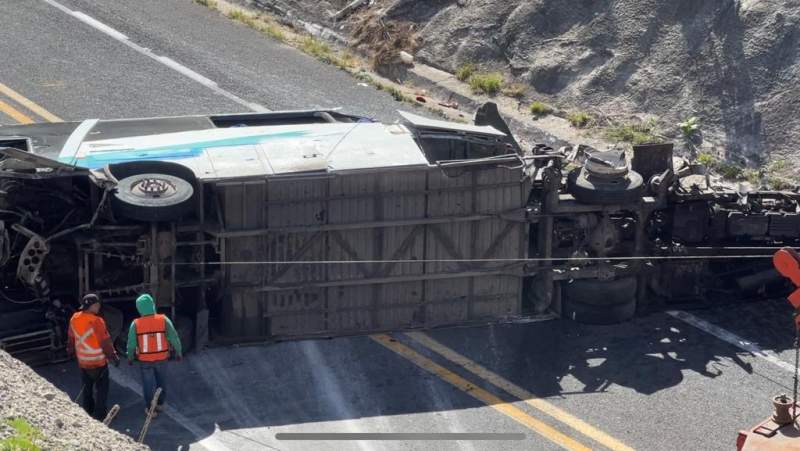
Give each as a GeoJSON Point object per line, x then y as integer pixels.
{"type": "Point", "coordinates": [153, 188]}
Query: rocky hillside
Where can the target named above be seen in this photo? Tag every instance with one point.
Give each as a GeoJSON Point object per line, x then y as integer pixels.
{"type": "Point", "coordinates": [50, 420]}
{"type": "Point", "coordinates": [735, 64]}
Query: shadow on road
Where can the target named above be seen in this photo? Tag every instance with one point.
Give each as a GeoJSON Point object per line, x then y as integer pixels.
{"type": "Point", "coordinates": [320, 385]}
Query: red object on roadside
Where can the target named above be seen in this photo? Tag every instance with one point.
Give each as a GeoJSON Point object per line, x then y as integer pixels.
{"type": "Point", "coordinates": [740, 440]}
{"type": "Point", "coordinates": [769, 434]}
{"type": "Point", "coordinates": [787, 262]}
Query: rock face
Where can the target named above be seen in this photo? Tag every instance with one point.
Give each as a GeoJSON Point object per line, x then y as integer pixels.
{"type": "Point", "coordinates": [733, 63]}
{"type": "Point", "coordinates": [63, 424]}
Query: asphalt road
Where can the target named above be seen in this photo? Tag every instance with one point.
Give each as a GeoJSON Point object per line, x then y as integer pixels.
{"type": "Point", "coordinates": [655, 383]}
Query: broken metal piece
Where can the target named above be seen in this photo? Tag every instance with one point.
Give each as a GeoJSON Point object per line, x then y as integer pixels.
{"type": "Point", "coordinates": [32, 257]}
{"type": "Point", "coordinates": [112, 413]}
{"type": "Point", "coordinates": [36, 161]}
{"type": "Point", "coordinates": [151, 412]}
{"type": "Point", "coordinates": [651, 160]}
{"type": "Point", "coordinates": [607, 164]}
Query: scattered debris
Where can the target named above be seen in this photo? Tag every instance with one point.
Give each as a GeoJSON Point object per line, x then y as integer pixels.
{"type": "Point", "coordinates": [384, 40]}
{"type": "Point", "coordinates": [151, 413]}
{"type": "Point", "coordinates": [349, 9]}
{"type": "Point", "coordinates": [406, 58]}
{"type": "Point", "coordinates": [111, 414]}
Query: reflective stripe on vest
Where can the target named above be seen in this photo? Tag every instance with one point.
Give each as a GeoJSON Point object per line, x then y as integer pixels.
{"type": "Point", "coordinates": [87, 345]}
{"type": "Point", "coordinates": [151, 338]}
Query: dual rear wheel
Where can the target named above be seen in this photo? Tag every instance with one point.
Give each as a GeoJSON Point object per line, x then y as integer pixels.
{"type": "Point", "coordinates": [605, 179]}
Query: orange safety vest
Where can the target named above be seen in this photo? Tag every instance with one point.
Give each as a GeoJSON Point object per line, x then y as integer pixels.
{"type": "Point", "coordinates": [85, 329]}
{"type": "Point", "coordinates": [151, 338]}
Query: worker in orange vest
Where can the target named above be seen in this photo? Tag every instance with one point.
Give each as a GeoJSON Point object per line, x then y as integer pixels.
{"type": "Point", "coordinates": [149, 338]}
{"type": "Point", "coordinates": [88, 339]}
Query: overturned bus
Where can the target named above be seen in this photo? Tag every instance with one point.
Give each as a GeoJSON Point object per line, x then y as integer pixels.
{"type": "Point", "coordinates": [281, 225]}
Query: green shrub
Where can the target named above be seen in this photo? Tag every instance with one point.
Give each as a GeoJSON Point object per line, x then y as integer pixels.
{"type": "Point", "coordinates": [397, 94]}
{"type": "Point", "coordinates": [777, 166]}
{"type": "Point", "coordinates": [274, 32]}
{"type": "Point", "coordinates": [316, 48]}
{"type": "Point", "coordinates": [363, 76]}
{"type": "Point", "coordinates": [514, 90]}
{"type": "Point", "coordinates": [237, 14]}
{"type": "Point", "coordinates": [729, 171]}
{"type": "Point", "coordinates": [251, 20]}
{"type": "Point", "coordinates": [344, 60]}
{"type": "Point", "coordinates": [775, 172]}
{"type": "Point", "coordinates": [579, 119]}
{"type": "Point", "coordinates": [707, 160]}
{"type": "Point", "coordinates": [540, 109]}
{"type": "Point", "coordinates": [779, 183]}
{"type": "Point", "coordinates": [633, 133]}
{"type": "Point", "coordinates": [323, 52]}
{"type": "Point", "coordinates": [486, 83]}
{"type": "Point", "coordinates": [689, 127]}
{"type": "Point", "coordinates": [753, 176]}
{"type": "Point", "coordinates": [208, 3]}
{"type": "Point", "coordinates": [465, 71]}
{"type": "Point", "coordinates": [24, 438]}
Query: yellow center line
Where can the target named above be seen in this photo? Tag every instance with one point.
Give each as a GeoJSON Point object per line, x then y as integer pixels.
{"type": "Point", "coordinates": [29, 104]}
{"type": "Point", "coordinates": [15, 114]}
{"type": "Point", "coordinates": [519, 392]}
{"type": "Point", "coordinates": [482, 395]}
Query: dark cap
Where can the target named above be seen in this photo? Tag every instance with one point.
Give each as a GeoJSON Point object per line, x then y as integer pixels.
{"type": "Point", "coordinates": [89, 300]}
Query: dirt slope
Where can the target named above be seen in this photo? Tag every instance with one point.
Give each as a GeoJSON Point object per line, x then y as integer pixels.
{"type": "Point", "coordinates": [735, 64]}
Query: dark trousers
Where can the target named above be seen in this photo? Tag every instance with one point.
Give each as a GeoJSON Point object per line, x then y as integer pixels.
{"type": "Point", "coordinates": [95, 391]}
{"type": "Point", "coordinates": [153, 377]}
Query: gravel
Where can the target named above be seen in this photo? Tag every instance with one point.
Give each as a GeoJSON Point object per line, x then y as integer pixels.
{"type": "Point", "coordinates": [63, 424]}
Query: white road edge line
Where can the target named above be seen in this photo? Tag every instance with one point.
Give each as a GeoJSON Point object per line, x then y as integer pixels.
{"type": "Point", "coordinates": [166, 61]}
{"type": "Point", "coordinates": [730, 337]}
{"type": "Point", "coordinates": [178, 67]}
{"type": "Point", "coordinates": [209, 442]}
{"type": "Point", "coordinates": [94, 23]}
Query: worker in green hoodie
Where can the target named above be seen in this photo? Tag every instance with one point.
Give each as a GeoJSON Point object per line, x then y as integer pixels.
{"type": "Point", "coordinates": [149, 338]}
